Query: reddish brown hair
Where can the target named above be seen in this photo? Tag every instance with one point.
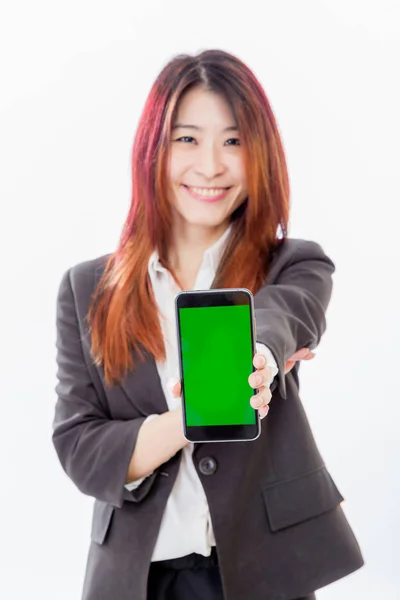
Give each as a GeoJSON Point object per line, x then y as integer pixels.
{"type": "Point", "coordinates": [123, 315]}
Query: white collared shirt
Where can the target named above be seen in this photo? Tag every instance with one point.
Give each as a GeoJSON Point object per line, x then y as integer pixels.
{"type": "Point", "coordinates": [186, 526]}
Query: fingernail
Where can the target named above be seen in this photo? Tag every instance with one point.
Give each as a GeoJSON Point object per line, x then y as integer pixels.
{"type": "Point", "coordinates": [257, 379]}
{"type": "Point", "coordinates": [257, 401]}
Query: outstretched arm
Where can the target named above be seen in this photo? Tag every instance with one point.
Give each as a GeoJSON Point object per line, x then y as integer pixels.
{"type": "Point", "coordinates": [290, 313]}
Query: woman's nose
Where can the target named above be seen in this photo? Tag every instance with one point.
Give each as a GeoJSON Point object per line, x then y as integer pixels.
{"type": "Point", "coordinates": [210, 163]}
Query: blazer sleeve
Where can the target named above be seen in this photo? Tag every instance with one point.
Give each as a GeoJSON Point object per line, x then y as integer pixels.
{"type": "Point", "coordinates": [94, 450]}
{"type": "Point", "coordinates": [290, 313]}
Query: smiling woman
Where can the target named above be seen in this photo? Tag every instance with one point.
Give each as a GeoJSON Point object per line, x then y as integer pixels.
{"type": "Point", "coordinates": [174, 520]}
{"type": "Point", "coordinates": [207, 170]}
{"type": "Point", "coordinates": [206, 123]}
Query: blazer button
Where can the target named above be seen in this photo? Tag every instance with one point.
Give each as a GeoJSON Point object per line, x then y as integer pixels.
{"type": "Point", "coordinates": [208, 465]}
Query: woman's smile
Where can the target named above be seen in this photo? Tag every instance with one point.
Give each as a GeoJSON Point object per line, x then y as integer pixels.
{"type": "Point", "coordinates": [207, 194]}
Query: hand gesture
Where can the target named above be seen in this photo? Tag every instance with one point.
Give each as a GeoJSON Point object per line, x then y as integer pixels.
{"type": "Point", "coordinates": [261, 378]}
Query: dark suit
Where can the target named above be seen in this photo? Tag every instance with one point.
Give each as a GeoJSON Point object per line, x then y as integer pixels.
{"type": "Point", "coordinates": [276, 512]}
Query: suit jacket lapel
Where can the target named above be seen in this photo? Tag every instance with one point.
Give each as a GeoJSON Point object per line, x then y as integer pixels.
{"type": "Point", "coordinates": [142, 384]}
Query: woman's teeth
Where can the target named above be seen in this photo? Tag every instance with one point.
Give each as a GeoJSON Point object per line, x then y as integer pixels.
{"type": "Point", "coordinates": [207, 192]}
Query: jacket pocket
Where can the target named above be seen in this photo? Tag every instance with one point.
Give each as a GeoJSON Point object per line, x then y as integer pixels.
{"type": "Point", "coordinates": [301, 498]}
{"type": "Point", "coordinates": [101, 520]}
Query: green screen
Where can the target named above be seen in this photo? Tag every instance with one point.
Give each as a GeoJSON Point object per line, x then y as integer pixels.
{"type": "Point", "coordinates": [217, 358]}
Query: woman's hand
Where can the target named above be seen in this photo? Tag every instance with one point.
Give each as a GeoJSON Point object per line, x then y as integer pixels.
{"type": "Point", "coordinates": [302, 354]}
{"type": "Point", "coordinates": [261, 378]}
{"type": "Point", "coordinates": [261, 400]}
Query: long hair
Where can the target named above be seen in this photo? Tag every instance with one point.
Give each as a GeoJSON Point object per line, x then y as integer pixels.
{"type": "Point", "coordinates": [123, 316]}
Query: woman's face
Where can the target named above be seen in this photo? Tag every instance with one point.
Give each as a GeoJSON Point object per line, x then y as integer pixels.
{"type": "Point", "coordinates": [207, 174]}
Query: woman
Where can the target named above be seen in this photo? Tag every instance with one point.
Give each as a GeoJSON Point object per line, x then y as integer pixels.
{"type": "Point", "coordinates": [261, 519]}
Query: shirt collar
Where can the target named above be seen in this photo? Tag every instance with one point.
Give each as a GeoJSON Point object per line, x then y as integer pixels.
{"type": "Point", "coordinates": [211, 257]}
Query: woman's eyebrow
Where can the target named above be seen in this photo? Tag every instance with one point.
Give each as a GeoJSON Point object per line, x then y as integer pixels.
{"type": "Point", "coordinates": [197, 128]}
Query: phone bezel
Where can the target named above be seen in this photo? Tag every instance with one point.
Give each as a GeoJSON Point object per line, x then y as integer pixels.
{"type": "Point", "coordinates": [216, 433]}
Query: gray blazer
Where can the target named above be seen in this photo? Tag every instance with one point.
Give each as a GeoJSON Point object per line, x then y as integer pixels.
{"type": "Point", "coordinates": [276, 513]}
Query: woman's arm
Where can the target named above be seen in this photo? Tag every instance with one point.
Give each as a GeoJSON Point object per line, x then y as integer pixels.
{"type": "Point", "coordinates": [290, 313]}
{"type": "Point", "coordinates": [158, 440]}
{"type": "Point", "coordinates": [97, 452]}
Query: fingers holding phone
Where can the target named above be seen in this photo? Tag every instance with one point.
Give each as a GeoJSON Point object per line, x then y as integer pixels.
{"type": "Point", "coordinates": [262, 399]}
{"type": "Point", "coordinates": [260, 380]}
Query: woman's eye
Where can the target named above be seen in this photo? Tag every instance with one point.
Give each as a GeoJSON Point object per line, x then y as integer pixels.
{"type": "Point", "coordinates": [185, 137]}
{"type": "Point", "coordinates": [234, 140]}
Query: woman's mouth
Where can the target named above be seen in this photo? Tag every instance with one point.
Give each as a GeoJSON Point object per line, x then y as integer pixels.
{"type": "Point", "coordinates": [207, 194]}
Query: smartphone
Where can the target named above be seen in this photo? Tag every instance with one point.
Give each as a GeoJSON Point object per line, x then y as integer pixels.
{"type": "Point", "coordinates": [216, 345]}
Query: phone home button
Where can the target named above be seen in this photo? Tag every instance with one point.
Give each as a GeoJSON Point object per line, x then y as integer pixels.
{"type": "Point", "coordinates": [208, 465]}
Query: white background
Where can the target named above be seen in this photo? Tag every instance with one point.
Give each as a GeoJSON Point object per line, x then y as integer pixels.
{"type": "Point", "coordinates": [74, 78]}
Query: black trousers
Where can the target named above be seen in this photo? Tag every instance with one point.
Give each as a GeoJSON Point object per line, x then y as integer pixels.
{"type": "Point", "coordinates": [192, 577]}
